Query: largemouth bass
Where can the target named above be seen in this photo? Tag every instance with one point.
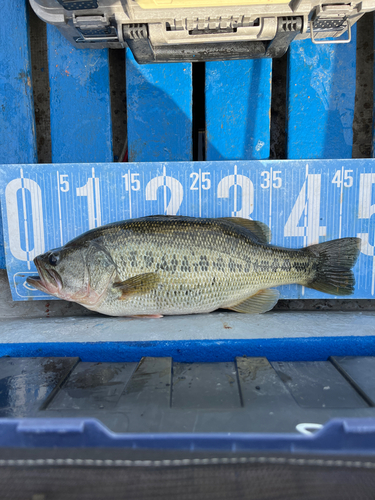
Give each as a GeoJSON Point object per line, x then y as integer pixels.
{"type": "Point", "coordinates": [161, 265]}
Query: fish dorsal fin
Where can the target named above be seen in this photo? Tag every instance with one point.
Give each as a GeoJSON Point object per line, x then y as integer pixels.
{"type": "Point", "coordinates": [140, 284]}
{"type": "Point", "coordinates": [160, 216]}
{"type": "Point", "coordinates": [261, 302]}
{"type": "Point", "coordinates": [259, 229]}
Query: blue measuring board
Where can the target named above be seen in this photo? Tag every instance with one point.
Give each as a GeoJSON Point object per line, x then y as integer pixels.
{"type": "Point", "coordinates": [303, 201]}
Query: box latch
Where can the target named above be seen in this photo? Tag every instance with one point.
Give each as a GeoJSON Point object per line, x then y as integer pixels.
{"type": "Point", "coordinates": [94, 29]}
{"type": "Point", "coordinates": [330, 18]}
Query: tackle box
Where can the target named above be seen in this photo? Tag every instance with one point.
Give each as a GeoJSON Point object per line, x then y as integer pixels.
{"type": "Point", "coordinates": [202, 30]}
{"type": "Point", "coordinates": [209, 404]}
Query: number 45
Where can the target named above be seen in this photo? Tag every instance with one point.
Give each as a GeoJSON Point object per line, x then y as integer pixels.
{"type": "Point", "coordinates": [343, 176]}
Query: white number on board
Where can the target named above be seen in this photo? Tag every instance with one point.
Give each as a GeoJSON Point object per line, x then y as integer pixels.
{"type": "Point", "coordinates": [343, 178]}
{"type": "Point", "coordinates": [247, 193]}
{"type": "Point", "coordinates": [195, 177]}
{"type": "Point", "coordinates": [14, 222]}
{"type": "Point", "coordinates": [64, 184]}
{"type": "Point", "coordinates": [166, 182]}
{"type": "Point", "coordinates": [205, 180]}
{"type": "Point", "coordinates": [366, 209]}
{"type": "Point", "coordinates": [307, 206]}
{"type": "Point", "coordinates": [134, 182]}
{"type": "Point", "coordinates": [276, 179]}
{"type": "Point", "coordinates": [92, 191]}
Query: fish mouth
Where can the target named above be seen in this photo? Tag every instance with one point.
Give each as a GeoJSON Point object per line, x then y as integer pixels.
{"type": "Point", "coordinates": [48, 281]}
{"type": "Point", "coordinates": [36, 282]}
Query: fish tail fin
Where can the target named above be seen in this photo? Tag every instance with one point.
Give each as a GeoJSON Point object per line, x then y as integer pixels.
{"type": "Point", "coordinates": [334, 273]}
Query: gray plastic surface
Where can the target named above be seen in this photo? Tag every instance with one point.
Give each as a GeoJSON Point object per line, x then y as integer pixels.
{"type": "Point", "coordinates": [318, 385]}
{"type": "Point", "coordinates": [157, 395]}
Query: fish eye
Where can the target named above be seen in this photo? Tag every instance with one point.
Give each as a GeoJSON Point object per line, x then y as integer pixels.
{"type": "Point", "coordinates": [53, 259]}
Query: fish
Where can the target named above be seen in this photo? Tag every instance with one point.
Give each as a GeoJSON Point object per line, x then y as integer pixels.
{"type": "Point", "coordinates": [169, 265]}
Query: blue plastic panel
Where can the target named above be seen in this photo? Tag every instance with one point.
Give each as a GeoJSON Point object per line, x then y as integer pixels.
{"type": "Point", "coordinates": [303, 202]}
{"type": "Point", "coordinates": [159, 108]}
{"type": "Point", "coordinates": [355, 435]}
{"type": "Point", "coordinates": [373, 123]}
{"type": "Point", "coordinates": [320, 100]}
{"type": "Point", "coordinates": [17, 121]}
{"type": "Point", "coordinates": [81, 127]}
{"type": "Point", "coordinates": [192, 351]}
{"type": "Point", "coordinates": [238, 101]}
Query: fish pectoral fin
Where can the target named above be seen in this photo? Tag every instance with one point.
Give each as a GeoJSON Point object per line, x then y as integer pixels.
{"type": "Point", "coordinates": [259, 229]}
{"type": "Point", "coordinates": [261, 302]}
{"type": "Point", "coordinates": [140, 284]}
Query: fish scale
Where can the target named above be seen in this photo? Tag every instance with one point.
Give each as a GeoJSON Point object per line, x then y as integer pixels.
{"type": "Point", "coordinates": [179, 265]}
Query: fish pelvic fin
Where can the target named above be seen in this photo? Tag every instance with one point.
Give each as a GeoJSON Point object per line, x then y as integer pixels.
{"type": "Point", "coordinates": [334, 273]}
{"type": "Point", "coordinates": [261, 302]}
{"type": "Point", "coordinates": [140, 284]}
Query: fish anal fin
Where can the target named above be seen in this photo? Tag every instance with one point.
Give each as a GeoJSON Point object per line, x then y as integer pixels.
{"type": "Point", "coordinates": [261, 302]}
{"type": "Point", "coordinates": [259, 229]}
{"type": "Point", "coordinates": [154, 316]}
{"type": "Point", "coordinates": [139, 284]}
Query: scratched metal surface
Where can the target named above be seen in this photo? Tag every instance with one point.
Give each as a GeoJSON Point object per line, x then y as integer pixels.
{"type": "Point", "coordinates": [81, 126]}
{"type": "Point", "coordinates": [238, 100]}
{"type": "Point", "coordinates": [159, 102]}
{"type": "Point", "coordinates": [321, 92]}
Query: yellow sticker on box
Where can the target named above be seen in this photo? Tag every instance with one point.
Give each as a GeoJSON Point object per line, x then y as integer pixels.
{"type": "Point", "coordinates": [179, 4]}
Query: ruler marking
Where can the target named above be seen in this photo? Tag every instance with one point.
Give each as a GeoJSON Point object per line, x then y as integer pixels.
{"type": "Point", "coordinates": [270, 207]}
{"type": "Point", "coordinates": [341, 200]}
{"type": "Point", "coordinates": [165, 188]}
{"type": "Point", "coordinates": [59, 202]}
{"type": "Point", "coordinates": [130, 197]}
{"type": "Point", "coordinates": [235, 190]}
{"type": "Point", "coordinates": [305, 219]}
{"type": "Point", "coordinates": [25, 224]}
{"type": "Point", "coordinates": [200, 192]}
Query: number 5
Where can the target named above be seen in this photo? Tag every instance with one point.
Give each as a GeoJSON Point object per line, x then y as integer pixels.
{"type": "Point", "coordinates": [206, 181]}
{"type": "Point", "coordinates": [348, 178]}
{"type": "Point", "coordinates": [366, 209]}
{"type": "Point", "coordinates": [277, 181]}
{"type": "Point", "coordinates": [64, 184]}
